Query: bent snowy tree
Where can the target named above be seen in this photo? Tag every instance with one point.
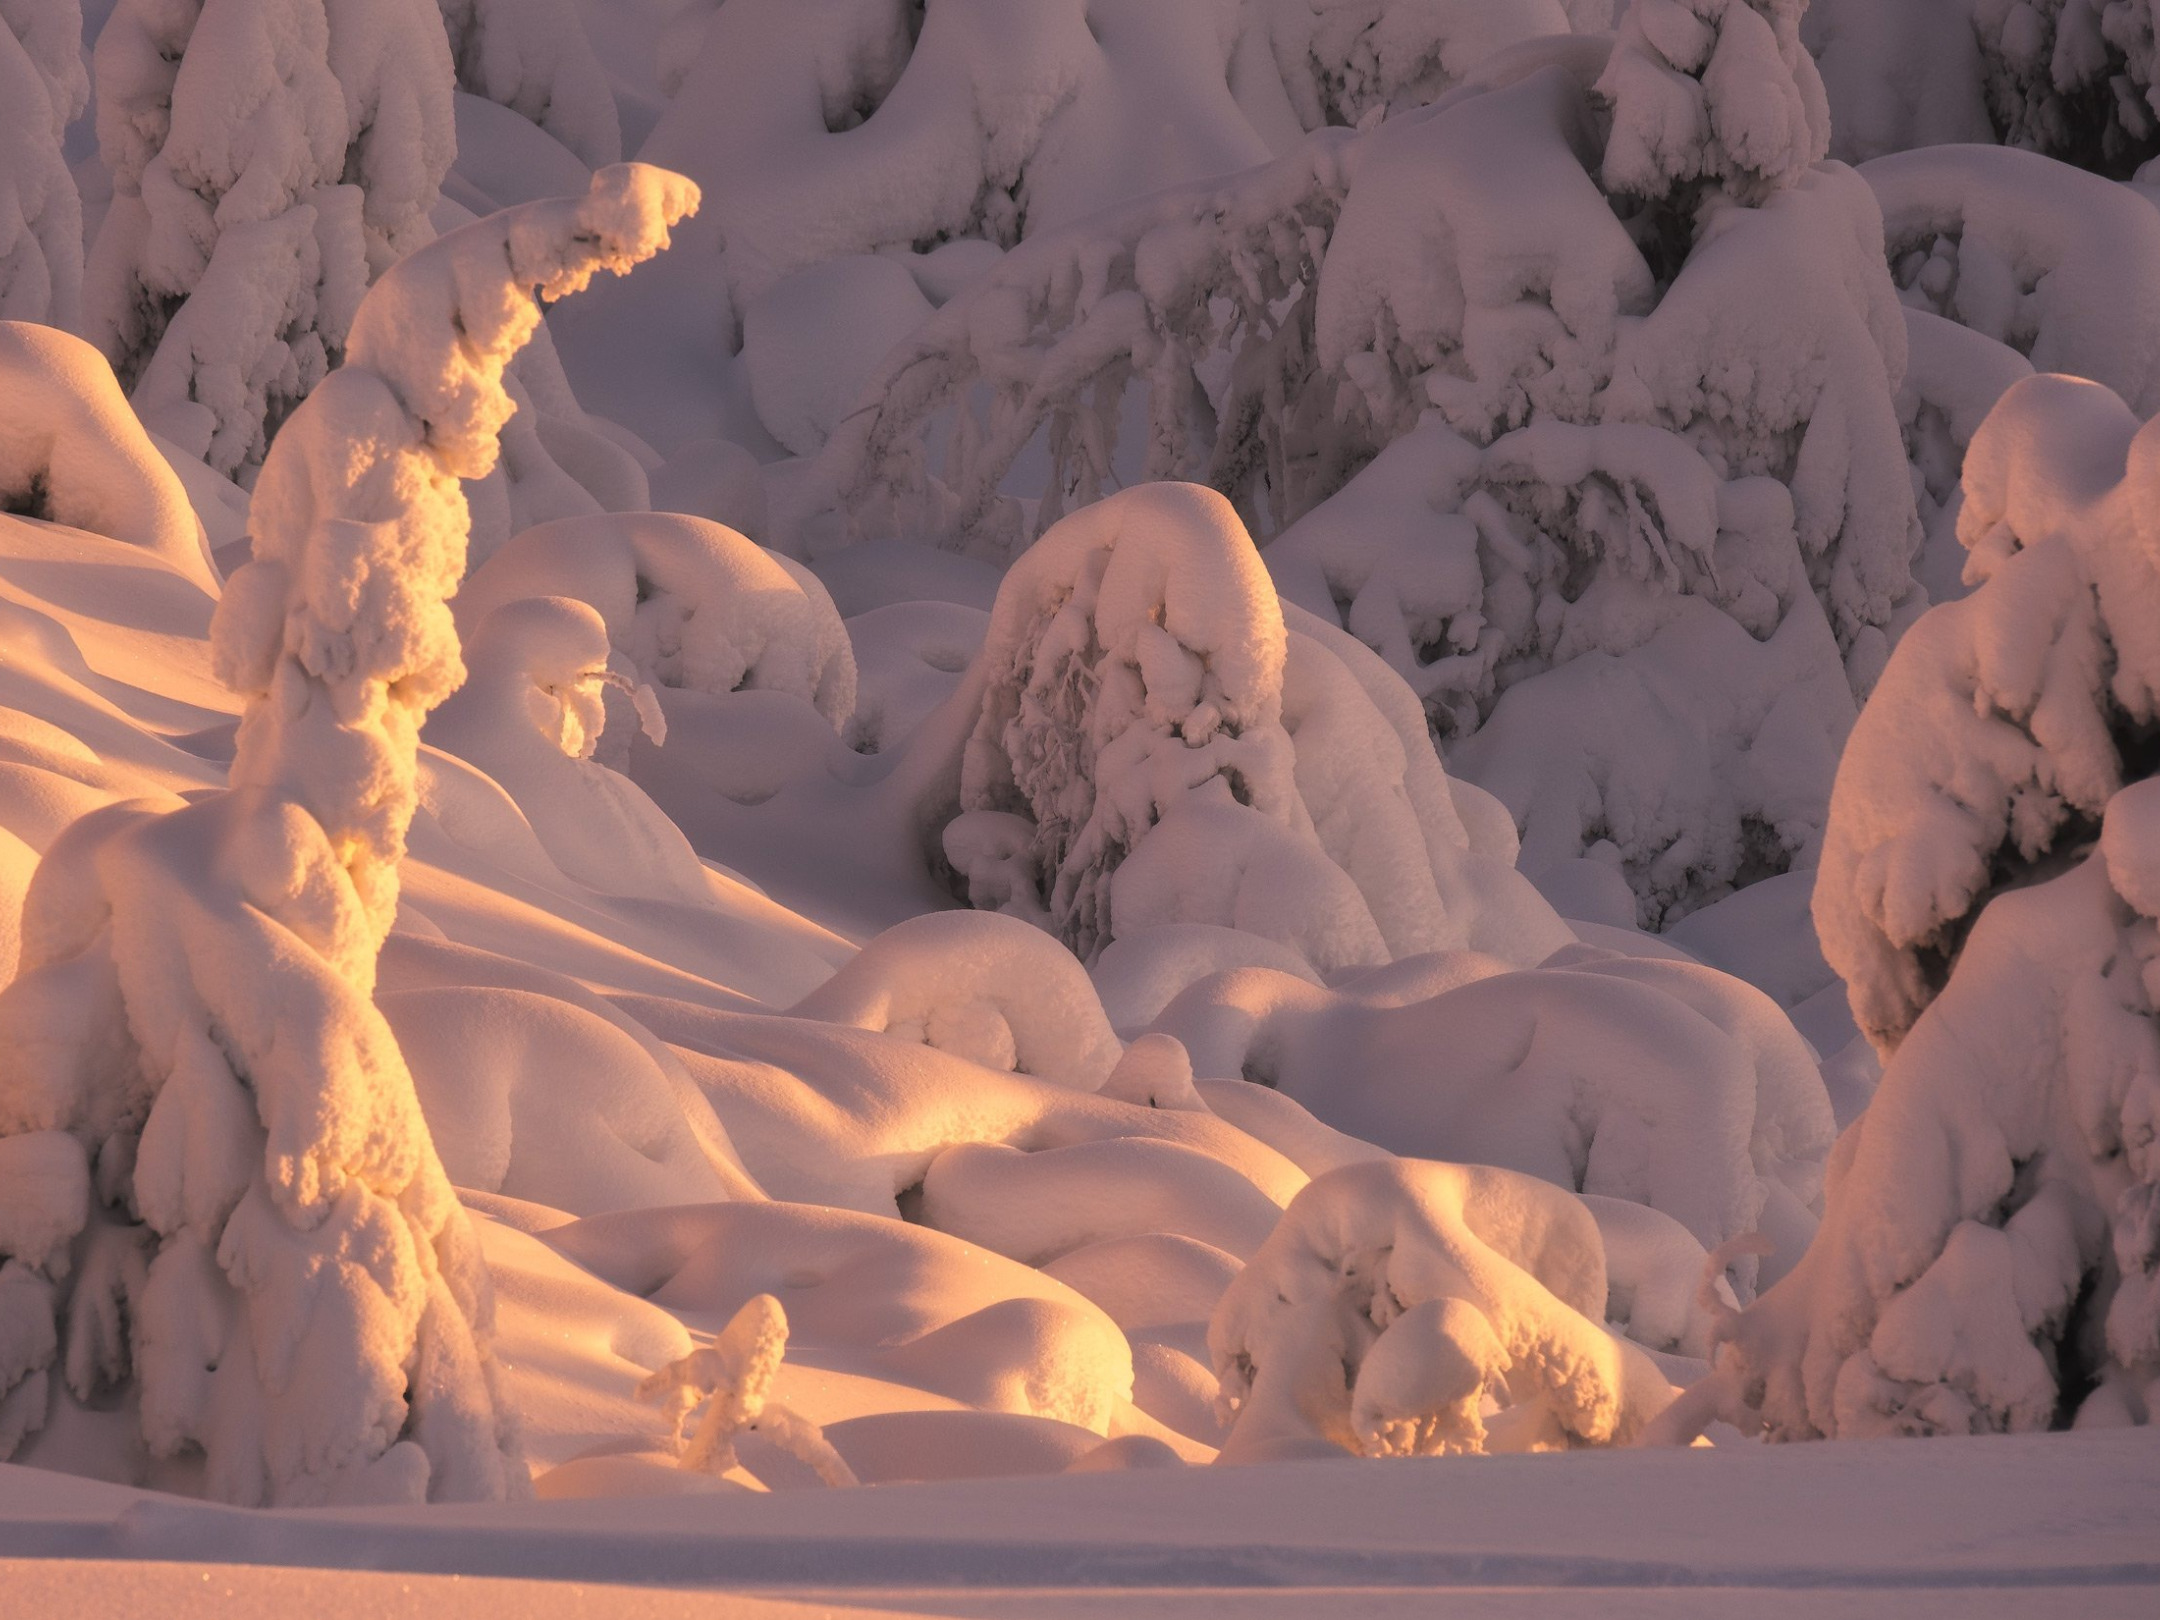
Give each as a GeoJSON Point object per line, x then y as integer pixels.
{"type": "Point", "coordinates": [233, 1196]}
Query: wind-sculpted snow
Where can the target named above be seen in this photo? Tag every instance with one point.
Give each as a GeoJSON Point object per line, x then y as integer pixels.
{"type": "Point", "coordinates": [71, 451]}
{"type": "Point", "coordinates": [305, 1306]}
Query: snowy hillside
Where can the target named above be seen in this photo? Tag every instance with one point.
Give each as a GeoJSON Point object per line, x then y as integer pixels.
{"type": "Point", "coordinates": [815, 748]}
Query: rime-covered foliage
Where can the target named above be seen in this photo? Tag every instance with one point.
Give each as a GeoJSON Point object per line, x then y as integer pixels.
{"type": "Point", "coordinates": [1643, 429]}
{"type": "Point", "coordinates": [532, 56]}
{"type": "Point", "coordinates": [42, 89]}
{"type": "Point", "coordinates": [1149, 742]}
{"type": "Point", "coordinates": [273, 1255]}
{"type": "Point", "coordinates": [1989, 1257]}
{"type": "Point", "coordinates": [267, 157]}
{"type": "Point", "coordinates": [1411, 1309]}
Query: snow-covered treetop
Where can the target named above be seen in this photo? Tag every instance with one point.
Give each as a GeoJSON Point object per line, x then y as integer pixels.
{"type": "Point", "coordinates": [42, 89]}
{"type": "Point", "coordinates": [1713, 91]}
{"type": "Point", "coordinates": [339, 630]}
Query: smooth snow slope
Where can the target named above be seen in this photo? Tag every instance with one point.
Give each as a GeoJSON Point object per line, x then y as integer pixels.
{"type": "Point", "coordinates": [2026, 1525]}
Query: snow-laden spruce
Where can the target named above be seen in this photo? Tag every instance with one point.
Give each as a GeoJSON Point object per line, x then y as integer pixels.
{"type": "Point", "coordinates": [1411, 1309]}
{"type": "Point", "coordinates": [2069, 79]}
{"type": "Point", "coordinates": [532, 56]}
{"type": "Point", "coordinates": [42, 90]}
{"type": "Point", "coordinates": [1989, 1257]}
{"type": "Point", "coordinates": [273, 1253]}
{"type": "Point", "coordinates": [267, 157]}
{"type": "Point", "coordinates": [1640, 432]}
{"type": "Point", "coordinates": [2007, 261]}
{"type": "Point", "coordinates": [1149, 742]}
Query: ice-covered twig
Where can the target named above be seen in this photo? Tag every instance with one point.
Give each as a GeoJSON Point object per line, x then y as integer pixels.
{"type": "Point", "coordinates": [732, 1379]}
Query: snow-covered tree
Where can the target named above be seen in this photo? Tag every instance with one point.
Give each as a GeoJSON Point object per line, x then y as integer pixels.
{"type": "Point", "coordinates": [1643, 429]}
{"type": "Point", "coordinates": [1148, 742]}
{"type": "Point", "coordinates": [266, 160]}
{"type": "Point", "coordinates": [532, 56]}
{"type": "Point", "coordinates": [2007, 261]}
{"type": "Point", "coordinates": [42, 90]}
{"type": "Point", "coordinates": [1403, 1308]}
{"type": "Point", "coordinates": [1990, 1252]}
{"type": "Point", "coordinates": [242, 1206]}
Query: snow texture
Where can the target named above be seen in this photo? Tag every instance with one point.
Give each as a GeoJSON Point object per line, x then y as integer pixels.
{"type": "Point", "coordinates": [265, 161]}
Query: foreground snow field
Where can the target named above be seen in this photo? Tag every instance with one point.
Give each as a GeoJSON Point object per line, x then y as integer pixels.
{"type": "Point", "coordinates": [1987, 1526]}
{"type": "Point", "coordinates": [1189, 806]}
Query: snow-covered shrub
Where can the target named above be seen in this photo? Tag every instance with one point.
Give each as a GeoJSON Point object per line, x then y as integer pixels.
{"type": "Point", "coordinates": [690, 603]}
{"type": "Point", "coordinates": [1652, 414]}
{"type": "Point", "coordinates": [1149, 743]}
{"type": "Point", "coordinates": [732, 1378]}
{"type": "Point", "coordinates": [193, 1020]}
{"type": "Point", "coordinates": [267, 156]}
{"type": "Point", "coordinates": [1989, 1256]}
{"type": "Point", "coordinates": [72, 452]}
{"type": "Point", "coordinates": [532, 56]}
{"type": "Point", "coordinates": [531, 715]}
{"type": "Point", "coordinates": [1408, 1309]}
{"type": "Point", "coordinates": [42, 89]}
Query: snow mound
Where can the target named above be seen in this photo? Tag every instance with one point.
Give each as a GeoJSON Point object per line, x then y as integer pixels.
{"type": "Point", "coordinates": [987, 988]}
{"type": "Point", "coordinates": [691, 604]}
{"type": "Point", "coordinates": [1664, 1083]}
{"type": "Point", "coordinates": [71, 451]}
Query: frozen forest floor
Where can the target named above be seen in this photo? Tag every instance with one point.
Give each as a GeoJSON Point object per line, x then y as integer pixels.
{"type": "Point", "coordinates": [2055, 1524]}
